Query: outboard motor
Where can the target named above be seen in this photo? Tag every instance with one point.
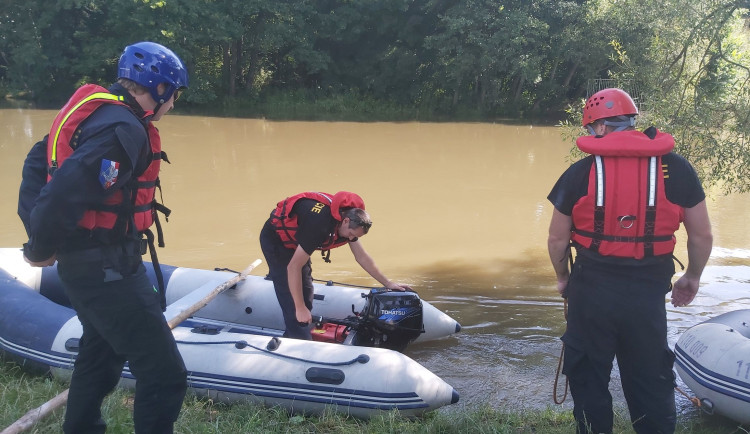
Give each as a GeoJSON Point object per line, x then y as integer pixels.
{"type": "Point", "coordinates": [390, 319]}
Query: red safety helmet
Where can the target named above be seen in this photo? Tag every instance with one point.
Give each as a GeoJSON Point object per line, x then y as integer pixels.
{"type": "Point", "coordinates": [608, 103]}
{"type": "Point", "coordinates": [345, 199]}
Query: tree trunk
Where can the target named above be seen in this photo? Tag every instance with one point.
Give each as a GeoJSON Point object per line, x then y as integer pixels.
{"type": "Point", "coordinates": [571, 73]}
{"type": "Point", "coordinates": [519, 89]}
{"type": "Point", "coordinates": [229, 70]}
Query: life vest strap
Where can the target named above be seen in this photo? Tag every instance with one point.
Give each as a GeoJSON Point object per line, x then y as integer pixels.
{"type": "Point", "coordinates": [157, 268]}
{"type": "Point", "coordinates": [623, 239]}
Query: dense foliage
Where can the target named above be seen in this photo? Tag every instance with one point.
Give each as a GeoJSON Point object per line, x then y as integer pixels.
{"type": "Point", "coordinates": [685, 60]}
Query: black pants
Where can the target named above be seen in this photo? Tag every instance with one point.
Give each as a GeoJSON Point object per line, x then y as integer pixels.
{"type": "Point", "coordinates": [278, 258]}
{"type": "Point", "coordinates": [122, 321]}
{"type": "Point", "coordinates": [616, 311]}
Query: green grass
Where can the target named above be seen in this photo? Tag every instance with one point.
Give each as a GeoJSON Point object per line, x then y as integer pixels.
{"type": "Point", "coordinates": [21, 391]}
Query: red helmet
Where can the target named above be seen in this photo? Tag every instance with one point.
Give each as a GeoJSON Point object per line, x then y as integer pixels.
{"type": "Point", "coordinates": [345, 199]}
{"type": "Point", "coordinates": [608, 103]}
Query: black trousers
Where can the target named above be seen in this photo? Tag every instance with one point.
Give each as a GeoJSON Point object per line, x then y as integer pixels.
{"type": "Point", "coordinates": [620, 311]}
{"type": "Point", "coordinates": [278, 258]}
{"type": "Point", "coordinates": [122, 321]}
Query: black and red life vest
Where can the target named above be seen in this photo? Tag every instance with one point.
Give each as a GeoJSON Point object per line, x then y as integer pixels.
{"type": "Point", "coordinates": [626, 212]}
{"type": "Point", "coordinates": [65, 130]}
{"type": "Point", "coordinates": [286, 225]}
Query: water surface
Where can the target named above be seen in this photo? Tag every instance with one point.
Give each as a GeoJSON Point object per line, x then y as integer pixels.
{"type": "Point", "coordinates": [459, 212]}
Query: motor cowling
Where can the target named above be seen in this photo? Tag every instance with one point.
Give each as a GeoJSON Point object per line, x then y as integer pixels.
{"type": "Point", "coordinates": [389, 319]}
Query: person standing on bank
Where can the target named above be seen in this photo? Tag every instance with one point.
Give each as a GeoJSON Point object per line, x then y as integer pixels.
{"type": "Point", "coordinates": [620, 207]}
{"type": "Point", "coordinates": [87, 198]}
{"type": "Point", "coordinates": [300, 225]}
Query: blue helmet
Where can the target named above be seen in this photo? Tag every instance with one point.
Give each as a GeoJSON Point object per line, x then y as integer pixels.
{"type": "Point", "coordinates": [150, 64]}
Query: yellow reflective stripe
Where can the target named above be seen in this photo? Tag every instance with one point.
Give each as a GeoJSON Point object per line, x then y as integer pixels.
{"type": "Point", "coordinates": [93, 96]}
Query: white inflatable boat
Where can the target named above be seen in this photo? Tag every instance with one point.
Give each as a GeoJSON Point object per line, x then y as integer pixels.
{"type": "Point", "coordinates": [713, 359]}
{"type": "Point", "coordinates": [232, 347]}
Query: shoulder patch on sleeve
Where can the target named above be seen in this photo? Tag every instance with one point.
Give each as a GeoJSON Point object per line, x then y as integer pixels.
{"type": "Point", "coordinates": [108, 173]}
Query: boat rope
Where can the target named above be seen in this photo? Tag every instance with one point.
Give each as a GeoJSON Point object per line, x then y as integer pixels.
{"type": "Point", "coordinates": [273, 344]}
{"type": "Point", "coordinates": [562, 350]}
{"type": "Point", "coordinates": [327, 282]}
{"type": "Point", "coordinates": [697, 402]}
{"type": "Point", "coordinates": [560, 365]}
{"type": "Point", "coordinates": [331, 283]}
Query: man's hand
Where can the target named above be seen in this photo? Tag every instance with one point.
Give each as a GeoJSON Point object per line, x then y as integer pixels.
{"type": "Point", "coordinates": [303, 315]}
{"type": "Point", "coordinates": [398, 286]}
{"type": "Point", "coordinates": [562, 284]}
{"type": "Point", "coordinates": [684, 291]}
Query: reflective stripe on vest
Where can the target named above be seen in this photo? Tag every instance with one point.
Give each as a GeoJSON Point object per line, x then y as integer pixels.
{"type": "Point", "coordinates": [97, 96]}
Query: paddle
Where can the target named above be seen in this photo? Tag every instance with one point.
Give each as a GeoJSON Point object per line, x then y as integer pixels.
{"type": "Point", "coordinates": [34, 415]}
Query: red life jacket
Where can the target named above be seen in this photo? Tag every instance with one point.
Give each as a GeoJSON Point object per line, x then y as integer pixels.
{"type": "Point", "coordinates": [65, 130]}
{"type": "Point", "coordinates": [286, 225]}
{"type": "Point", "coordinates": [626, 212]}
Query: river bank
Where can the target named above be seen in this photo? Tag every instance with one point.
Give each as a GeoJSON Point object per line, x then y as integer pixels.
{"type": "Point", "coordinates": [21, 391]}
{"type": "Point", "coordinates": [310, 105]}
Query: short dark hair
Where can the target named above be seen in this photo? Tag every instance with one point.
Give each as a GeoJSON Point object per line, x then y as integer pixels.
{"type": "Point", "coordinates": [131, 85]}
{"type": "Point", "coordinates": [358, 218]}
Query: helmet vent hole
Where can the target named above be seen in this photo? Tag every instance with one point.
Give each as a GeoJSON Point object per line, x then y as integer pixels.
{"type": "Point", "coordinates": [154, 69]}
{"type": "Point", "coordinates": [138, 68]}
{"type": "Point", "coordinates": [139, 55]}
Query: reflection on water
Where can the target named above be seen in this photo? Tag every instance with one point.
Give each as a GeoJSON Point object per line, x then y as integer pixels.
{"type": "Point", "coordinates": [460, 213]}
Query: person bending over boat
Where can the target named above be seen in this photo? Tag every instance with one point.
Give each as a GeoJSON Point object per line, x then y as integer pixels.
{"type": "Point", "coordinates": [620, 207]}
{"type": "Point", "coordinates": [300, 225]}
{"type": "Point", "coordinates": [87, 199]}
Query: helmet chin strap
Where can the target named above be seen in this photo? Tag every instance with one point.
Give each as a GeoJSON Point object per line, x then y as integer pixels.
{"type": "Point", "coordinates": [623, 123]}
{"type": "Point", "coordinates": [161, 98]}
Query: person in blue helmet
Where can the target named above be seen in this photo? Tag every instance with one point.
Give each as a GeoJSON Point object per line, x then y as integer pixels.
{"type": "Point", "coordinates": [87, 201]}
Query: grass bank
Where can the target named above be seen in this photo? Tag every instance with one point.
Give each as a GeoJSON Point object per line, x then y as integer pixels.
{"type": "Point", "coordinates": [20, 391]}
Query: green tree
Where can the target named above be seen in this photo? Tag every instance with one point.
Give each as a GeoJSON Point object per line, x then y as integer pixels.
{"type": "Point", "coordinates": [512, 57]}
{"type": "Point", "coordinates": [688, 61]}
{"type": "Point", "coordinates": [51, 48]}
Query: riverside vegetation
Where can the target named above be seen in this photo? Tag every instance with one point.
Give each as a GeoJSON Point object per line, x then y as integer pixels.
{"type": "Point", "coordinates": [684, 61]}
{"type": "Point", "coordinates": [21, 391]}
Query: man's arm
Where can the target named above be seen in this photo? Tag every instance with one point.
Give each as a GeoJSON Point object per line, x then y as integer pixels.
{"type": "Point", "coordinates": [294, 278]}
{"type": "Point", "coordinates": [558, 243]}
{"type": "Point", "coordinates": [699, 244]}
{"type": "Point", "coordinates": [368, 264]}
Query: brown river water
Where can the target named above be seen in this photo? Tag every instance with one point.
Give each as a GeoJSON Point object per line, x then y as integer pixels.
{"type": "Point", "coordinates": [459, 210]}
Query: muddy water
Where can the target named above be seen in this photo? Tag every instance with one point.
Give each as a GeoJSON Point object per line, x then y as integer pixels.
{"type": "Point", "coordinates": [459, 212]}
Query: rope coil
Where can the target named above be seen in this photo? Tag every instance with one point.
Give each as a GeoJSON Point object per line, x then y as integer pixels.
{"type": "Point", "coordinates": [560, 365]}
